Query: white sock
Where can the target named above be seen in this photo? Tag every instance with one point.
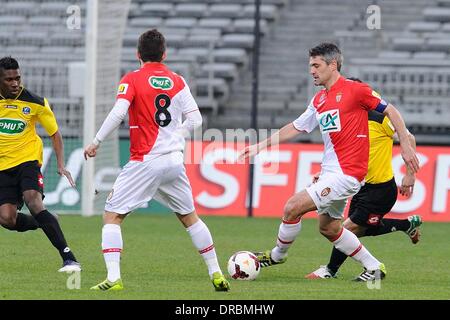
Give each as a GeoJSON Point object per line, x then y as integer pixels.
{"type": "Point", "coordinates": [112, 247]}
{"type": "Point", "coordinates": [287, 233]}
{"type": "Point", "coordinates": [202, 240]}
{"type": "Point", "coordinates": [348, 243]}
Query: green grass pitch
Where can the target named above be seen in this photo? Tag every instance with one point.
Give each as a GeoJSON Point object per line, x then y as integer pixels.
{"type": "Point", "coordinates": [160, 262]}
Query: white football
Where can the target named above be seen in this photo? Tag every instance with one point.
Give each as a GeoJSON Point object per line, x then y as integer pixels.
{"type": "Point", "coordinates": [244, 265]}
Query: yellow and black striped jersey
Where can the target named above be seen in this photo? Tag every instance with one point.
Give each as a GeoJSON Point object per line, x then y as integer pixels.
{"type": "Point", "coordinates": [19, 141]}
{"type": "Point", "coordinates": [381, 137]}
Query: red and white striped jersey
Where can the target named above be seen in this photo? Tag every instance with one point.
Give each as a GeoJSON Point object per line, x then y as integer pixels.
{"type": "Point", "coordinates": [158, 98]}
{"type": "Point", "coordinates": [342, 115]}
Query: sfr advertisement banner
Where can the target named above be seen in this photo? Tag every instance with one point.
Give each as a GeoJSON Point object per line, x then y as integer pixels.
{"type": "Point", "coordinates": [220, 187]}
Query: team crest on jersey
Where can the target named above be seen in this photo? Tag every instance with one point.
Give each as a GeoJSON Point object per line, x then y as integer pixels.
{"type": "Point", "coordinates": [338, 96]}
{"type": "Point", "coordinates": [329, 121]}
{"type": "Point", "coordinates": [163, 83]}
{"type": "Point", "coordinates": [26, 110]}
{"type": "Point", "coordinates": [123, 87]}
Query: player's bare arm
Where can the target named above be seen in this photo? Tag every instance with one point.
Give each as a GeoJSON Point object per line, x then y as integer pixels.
{"type": "Point", "coordinates": [286, 133]}
{"type": "Point", "coordinates": [408, 154]}
{"type": "Point", "coordinates": [408, 181]}
{"type": "Point", "coordinates": [58, 146]}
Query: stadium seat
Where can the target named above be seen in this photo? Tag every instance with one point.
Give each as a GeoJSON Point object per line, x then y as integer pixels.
{"type": "Point", "coordinates": [225, 24]}
{"type": "Point", "coordinates": [146, 23]}
{"type": "Point", "coordinates": [225, 10]}
{"type": "Point", "coordinates": [422, 26]}
{"type": "Point", "coordinates": [156, 9]}
{"type": "Point", "coordinates": [437, 14]}
{"type": "Point", "coordinates": [196, 10]}
{"type": "Point", "coordinates": [237, 40]}
{"type": "Point", "coordinates": [19, 8]}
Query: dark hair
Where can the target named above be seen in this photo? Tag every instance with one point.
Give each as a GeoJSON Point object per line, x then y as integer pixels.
{"type": "Point", "coordinates": [354, 79]}
{"type": "Point", "coordinates": [151, 46]}
{"type": "Point", "coordinates": [8, 63]}
{"type": "Point", "coordinates": [329, 52]}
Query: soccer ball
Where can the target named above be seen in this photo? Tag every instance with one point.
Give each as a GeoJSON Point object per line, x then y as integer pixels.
{"type": "Point", "coordinates": [243, 265]}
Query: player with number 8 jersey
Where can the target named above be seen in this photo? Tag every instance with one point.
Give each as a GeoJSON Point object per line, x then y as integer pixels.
{"type": "Point", "coordinates": [156, 100]}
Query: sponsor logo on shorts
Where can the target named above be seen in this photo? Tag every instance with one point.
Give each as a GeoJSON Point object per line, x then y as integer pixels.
{"type": "Point", "coordinates": [123, 87]}
{"type": "Point", "coordinates": [163, 83]}
{"type": "Point", "coordinates": [374, 219]}
{"type": "Point", "coordinates": [40, 181]}
{"type": "Point", "coordinates": [329, 121]}
{"type": "Point", "coordinates": [26, 110]}
{"type": "Point", "coordinates": [325, 192]}
{"type": "Point", "coordinates": [12, 126]}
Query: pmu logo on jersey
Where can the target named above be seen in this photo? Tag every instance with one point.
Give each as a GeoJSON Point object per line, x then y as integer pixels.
{"type": "Point", "coordinates": [12, 126]}
{"type": "Point", "coordinates": [163, 83]}
{"type": "Point", "coordinates": [329, 121]}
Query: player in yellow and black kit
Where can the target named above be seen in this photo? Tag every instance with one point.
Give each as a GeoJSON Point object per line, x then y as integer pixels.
{"type": "Point", "coordinates": [377, 197]}
{"type": "Point", "coordinates": [21, 152]}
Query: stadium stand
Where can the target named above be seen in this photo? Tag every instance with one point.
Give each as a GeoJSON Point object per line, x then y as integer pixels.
{"type": "Point", "coordinates": [211, 43]}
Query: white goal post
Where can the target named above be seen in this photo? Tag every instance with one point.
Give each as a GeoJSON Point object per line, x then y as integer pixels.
{"type": "Point", "coordinates": [105, 26]}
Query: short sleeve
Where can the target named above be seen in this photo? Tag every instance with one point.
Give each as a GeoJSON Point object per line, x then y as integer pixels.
{"type": "Point", "coordinates": [47, 119]}
{"type": "Point", "coordinates": [368, 98]}
{"type": "Point", "coordinates": [307, 121]}
{"type": "Point", "coordinates": [126, 88]}
{"type": "Point", "coordinates": [388, 127]}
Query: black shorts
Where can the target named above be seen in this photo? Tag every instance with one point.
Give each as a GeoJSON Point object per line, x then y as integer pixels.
{"type": "Point", "coordinates": [14, 181]}
{"type": "Point", "coordinates": [372, 202]}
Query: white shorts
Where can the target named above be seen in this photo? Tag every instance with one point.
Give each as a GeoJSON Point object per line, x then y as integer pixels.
{"type": "Point", "coordinates": [331, 191]}
{"type": "Point", "coordinates": [162, 178]}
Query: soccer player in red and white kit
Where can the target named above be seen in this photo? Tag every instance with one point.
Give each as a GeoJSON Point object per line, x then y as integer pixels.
{"type": "Point", "coordinates": [341, 111]}
{"type": "Point", "coordinates": [156, 99]}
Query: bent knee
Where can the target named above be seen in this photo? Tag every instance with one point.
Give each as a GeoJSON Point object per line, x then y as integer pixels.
{"type": "Point", "coordinates": [290, 211]}
{"type": "Point", "coordinates": [329, 232]}
{"type": "Point", "coordinates": [9, 222]}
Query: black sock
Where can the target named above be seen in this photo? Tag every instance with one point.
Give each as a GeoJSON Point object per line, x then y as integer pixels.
{"type": "Point", "coordinates": [336, 260]}
{"type": "Point", "coordinates": [25, 222]}
{"type": "Point", "coordinates": [53, 231]}
{"type": "Point", "coordinates": [388, 226]}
